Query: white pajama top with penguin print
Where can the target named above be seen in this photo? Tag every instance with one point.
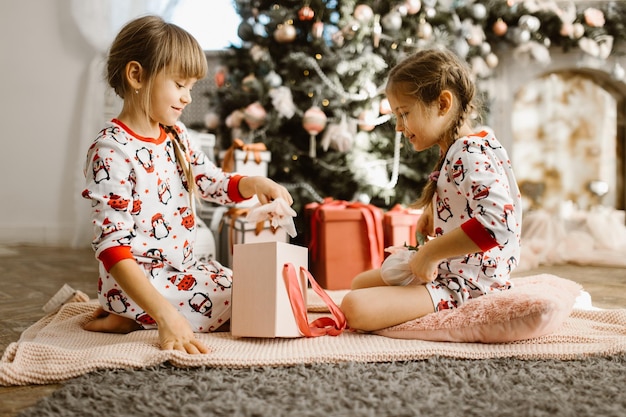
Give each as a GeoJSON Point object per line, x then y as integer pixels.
{"type": "Point", "coordinates": [141, 210]}
{"type": "Point", "coordinates": [477, 191]}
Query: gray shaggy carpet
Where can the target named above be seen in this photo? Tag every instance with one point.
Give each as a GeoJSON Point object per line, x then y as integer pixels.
{"type": "Point", "coordinates": [592, 386]}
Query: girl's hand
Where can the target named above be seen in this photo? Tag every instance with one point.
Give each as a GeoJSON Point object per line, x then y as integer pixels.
{"type": "Point", "coordinates": [425, 224]}
{"type": "Point", "coordinates": [264, 188]}
{"type": "Point", "coordinates": [176, 333]}
{"type": "Point", "coordinates": [424, 266]}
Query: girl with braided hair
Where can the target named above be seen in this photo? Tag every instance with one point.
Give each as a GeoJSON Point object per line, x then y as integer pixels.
{"type": "Point", "coordinates": [471, 205]}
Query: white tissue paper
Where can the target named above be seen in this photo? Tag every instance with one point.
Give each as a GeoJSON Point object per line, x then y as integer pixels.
{"type": "Point", "coordinates": [395, 269]}
{"type": "Point", "coordinates": [278, 212]}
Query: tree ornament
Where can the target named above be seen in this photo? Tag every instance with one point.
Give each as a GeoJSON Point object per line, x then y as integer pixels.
{"type": "Point", "coordinates": [211, 120]}
{"type": "Point", "coordinates": [255, 115]}
{"type": "Point", "coordinates": [306, 13]}
{"type": "Point", "coordinates": [367, 120]}
{"type": "Point", "coordinates": [250, 83]}
{"type": "Point", "coordinates": [377, 31]}
{"type": "Point", "coordinates": [314, 121]}
{"type": "Point", "coordinates": [273, 79]}
{"type": "Point", "coordinates": [492, 60]}
{"type": "Point", "coordinates": [529, 22]}
{"type": "Point", "coordinates": [392, 21]}
{"type": "Point", "coordinates": [500, 27]}
{"type": "Point", "coordinates": [384, 107]}
{"type": "Point", "coordinates": [424, 29]}
{"type": "Point", "coordinates": [317, 30]}
{"type": "Point", "coordinates": [220, 76]}
{"type": "Point", "coordinates": [579, 30]}
{"type": "Point", "coordinates": [413, 6]}
{"type": "Point", "coordinates": [363, 13]}
{"type": "Point", "coordinates": [285, 33]}
{"type": "Point", "coordinates": [245, 31]}
{"type": "Point", "coordinates": [479, 11]}
{"type": "Point", "coordinates": [234, 119]}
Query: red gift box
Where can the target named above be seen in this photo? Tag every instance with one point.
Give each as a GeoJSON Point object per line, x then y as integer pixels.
{"type": "Point", "coordinates": [344, 239]}
{"type": "Point", "coordinates": [400, 225]}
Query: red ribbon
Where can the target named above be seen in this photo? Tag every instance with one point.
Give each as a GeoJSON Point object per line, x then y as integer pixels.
{"type": "Point", "coordinates": [373, 223]}
{"type": "Point", "coordinates": [322, 326]}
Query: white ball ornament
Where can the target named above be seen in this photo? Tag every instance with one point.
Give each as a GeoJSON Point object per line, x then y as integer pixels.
{"type": "Point", "coordinates": [285, 33]}
{"type": "Point", "coordinates": [392, 21]}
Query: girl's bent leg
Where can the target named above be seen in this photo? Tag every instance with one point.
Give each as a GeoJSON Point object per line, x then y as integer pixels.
{"type": "Point", "coordinates": [106, 322]}
{"type": "Point", "coordinates": [375, 308]}
{"type": "Point", "coordinates": [367, 279]}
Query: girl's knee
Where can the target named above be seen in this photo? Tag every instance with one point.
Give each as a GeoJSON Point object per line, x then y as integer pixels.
{"type": "Point", "coordinates": [355, 310]}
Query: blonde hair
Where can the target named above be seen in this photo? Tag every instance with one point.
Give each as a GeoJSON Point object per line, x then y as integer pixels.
{"type": "Point", "coordinates": [424, 76]}
{"type": "Point", "coordinates": [157, 46]}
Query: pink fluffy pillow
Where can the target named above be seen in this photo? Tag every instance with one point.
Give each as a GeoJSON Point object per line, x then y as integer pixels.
{"type": "Point", "coordinates": [535, 306]}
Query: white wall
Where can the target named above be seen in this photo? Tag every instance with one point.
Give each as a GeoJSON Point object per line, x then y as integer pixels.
{"type": "Point", "coordinates": [44, 61]}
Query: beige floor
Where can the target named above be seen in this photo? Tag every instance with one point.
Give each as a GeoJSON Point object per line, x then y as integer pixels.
{"type": "Point", "coordinates": [31, 275]}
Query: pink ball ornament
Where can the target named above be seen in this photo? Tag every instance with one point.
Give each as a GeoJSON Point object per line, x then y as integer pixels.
{"type": "Point", "coordinates": [500, 27]}
{"type": "Point", "coordinates": [363, 13]}
{"type": "Point", "coordinates": [211, 120]}
{"type": "Point", "coordinates": [314, 121]}
{"type": "Point", "coordinates": [235, 119]}
{"type": "Point", "coordinates": [255, 115]}
{"type": "Point", "coordinates": [413, 6]}
{"type": "Point", "coordinates": [367, 120]}
{"type": "Point", "coordinates": [385, 107]}
{"type": "Point", "coordinates": [317, 30]}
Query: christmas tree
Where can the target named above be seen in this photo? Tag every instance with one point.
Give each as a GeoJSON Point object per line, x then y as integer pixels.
{"type": "Point", "coordinates": [308, 80]}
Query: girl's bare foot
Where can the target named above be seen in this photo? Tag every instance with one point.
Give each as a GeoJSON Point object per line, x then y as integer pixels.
{"type": "Point", "coordinates": [106, 322]}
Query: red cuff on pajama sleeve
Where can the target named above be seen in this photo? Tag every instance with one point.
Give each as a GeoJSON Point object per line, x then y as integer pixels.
{"type": "Point", "coordinates": [111, 256]}
{"type": "Point", "coordinates": [479, 234]}
{"type": "Point", "coordinates": [233, 189]}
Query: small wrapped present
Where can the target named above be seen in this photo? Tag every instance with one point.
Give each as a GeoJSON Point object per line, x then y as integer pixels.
{"type": "Point", "coordinates": [399, 226]}
{"type": "Point", "coordinates": [344, 239]}
{"type": "Point", "coordinates": [250, 159]}
{"type": "Point", "coordinates": [235, 228]}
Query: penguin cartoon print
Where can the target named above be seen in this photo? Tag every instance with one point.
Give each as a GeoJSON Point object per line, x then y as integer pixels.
{"type": "Point", "coordinates": [144, 156]}
{"type": "Point", "coordinates": [187, 252]}
{"type": "Point", "coordinates": [100, 168]}
{"type": "Point", "coordinates": [157, 263]}
{"type": "Point", "coordinates": [116, 301]}
{"type": "Point", "coordinates": [458, 172]}
{"type": "Point", "coordinates": [187, 218]}
{"type": "Point", "coordinates": [117, 203]}
{"type": "Point", "coordinates": [480, 192]}
{"type": "Point", "coordinates": [184, 282]}
{"type": "Point", "coordinates": [108, 227]}
{"type": "Point", "coordinates": [222, 280]}
{"type": "Point", "coordinates": [164, 191]}
{"type": "Point", "coordinates": [508, 217]}
{"type": "Point", "coordinates": [160, 227]}
{"type": "Point", "coordinates": [201, 303]}
{"type": "Point", "coordinates": [204, 183]}
{"type": "Point", "coordinates": [136, 208]}
{"type": "Point", "coordinates": [444, 212]}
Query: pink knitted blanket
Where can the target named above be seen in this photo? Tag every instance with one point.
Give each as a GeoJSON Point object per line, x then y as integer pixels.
{"type": "Point", "coordinates": [56, 348]}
